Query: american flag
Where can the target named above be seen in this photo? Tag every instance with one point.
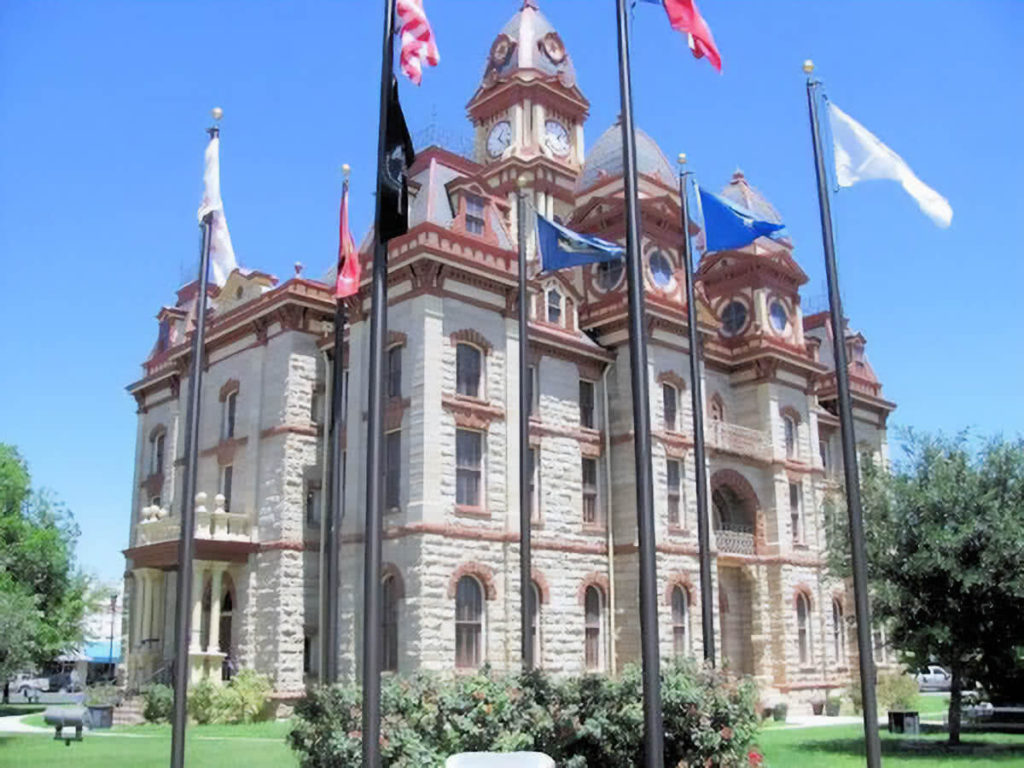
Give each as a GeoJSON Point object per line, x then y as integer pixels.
{"type": "Point", "coordinates": [418, 43]}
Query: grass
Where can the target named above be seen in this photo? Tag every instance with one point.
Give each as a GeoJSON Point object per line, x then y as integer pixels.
{"type": "Point", "coordinates": [258, 745]}
{"type": "Point", "coordinates": [843, 747]}
{"type": "Point", "coordinates": [9, 710]}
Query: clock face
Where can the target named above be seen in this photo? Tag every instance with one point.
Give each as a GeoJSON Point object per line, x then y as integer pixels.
{"type": "Point", "coordinates": [499, 138]}
{"type": "Point", "coordinates": [556, 137]}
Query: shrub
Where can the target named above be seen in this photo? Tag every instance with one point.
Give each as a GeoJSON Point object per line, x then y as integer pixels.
{"type": "Point", "coordinates": [159, 703]}
{"type": "Point", "coordinates": [779, 712]}
{"type": "Point", "coordinates": [102, 695]}
{"type": "Point", "coordinates": [245, 698]}
{"type": "Point", "coordinates": [832, 705]}
{"type": "Point", "coordinates": [582, 722]}
{"type": "Point", "coordinates": [896, 691]}
{"type": "Point", "coordinates": [202, 701]}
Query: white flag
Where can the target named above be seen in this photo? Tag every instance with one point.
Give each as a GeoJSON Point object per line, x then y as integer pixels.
{"type": "Point", "coordinates": [222, 255]}
{"type": "Point", "coordinates": [861, 156]}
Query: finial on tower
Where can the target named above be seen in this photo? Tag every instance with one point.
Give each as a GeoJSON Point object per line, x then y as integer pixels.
{"type": "Point", "coordinates": [298, 268]}
{"type": "Point", "coordinates": [808, 66]}
{"type": "Point", "coordinates": [214, 130]}
{"type": "Point", "coordinates": [346, 169]}
{"type": "Point", "coordinates": [681, 159]}
{"type": "Point", "coordinates": [522, 182]}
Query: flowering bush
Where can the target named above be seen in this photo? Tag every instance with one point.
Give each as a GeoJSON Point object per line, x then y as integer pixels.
{"type": "Point", "coordinates": [581, 722]}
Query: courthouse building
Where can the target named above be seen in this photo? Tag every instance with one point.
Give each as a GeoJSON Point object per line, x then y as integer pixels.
{"type": "Point", "coordinates": [451, 577]}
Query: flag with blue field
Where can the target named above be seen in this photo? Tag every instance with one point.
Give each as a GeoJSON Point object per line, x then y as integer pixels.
{"type": "Point", "coordinates": [728, 225]}
{"type": "Point", "coordinates": [561, 248]}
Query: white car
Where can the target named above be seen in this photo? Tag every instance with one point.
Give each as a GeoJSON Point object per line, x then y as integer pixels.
{"type": "Point", "coordinates": [933, 678]}
{"type": "Point", "coordinates": [24, 683]}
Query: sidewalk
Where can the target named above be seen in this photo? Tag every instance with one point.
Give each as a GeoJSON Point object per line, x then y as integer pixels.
{"type": "Point", "coordinates": [13, 724]}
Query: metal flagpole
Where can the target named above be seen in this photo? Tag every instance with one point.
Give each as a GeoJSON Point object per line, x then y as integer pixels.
{"type": "Point", "coordinates": [699, 461]}
{"type": "Point", "coordinates": [336, 489]}
{"type": "Point", "coordinates": [859, 554]}
{"type": "Point", "coordinates": [525, 395]}
{"type": "Point", "coordinates": [654, 737]}
{"type": "Point", "coordinates": [375, 429]}
{"type": "Point", "coordinates": [186, 542]}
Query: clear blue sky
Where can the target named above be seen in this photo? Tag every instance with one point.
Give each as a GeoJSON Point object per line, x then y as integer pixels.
{"type": "Point", "coordinates": [103, 106]}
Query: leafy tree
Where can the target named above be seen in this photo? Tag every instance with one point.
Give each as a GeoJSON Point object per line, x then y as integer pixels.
{"type": "Point", "coordinates": [944, 532]}
{"type": "Point", "coordinates": [19, 622]}
{"type": "Point", "coordinates": [43, 588]}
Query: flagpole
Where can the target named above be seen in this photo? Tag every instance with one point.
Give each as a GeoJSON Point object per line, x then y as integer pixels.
{"type": "Point", "coordinates": [857, 547]}
{"type": "Point", "coordinates": [375, 428]}
{"type": "Point", "coordinates": [525, 394]}
{"type": "Point", "coordinates": [186, 540]}
{"type": "Point", "coordinates": [336, 486]}
{"type": "Point", "coordinates": [699, 460]}
{"type": "Point", "coordinates": [654, 738]}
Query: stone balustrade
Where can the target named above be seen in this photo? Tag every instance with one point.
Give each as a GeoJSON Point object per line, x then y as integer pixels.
{"type": "Point", "coordinates": [735, 539]}
{"type": "Point", "coordinates": [156, 523]}
{"type": "Point", "coordinates": [733, 438]}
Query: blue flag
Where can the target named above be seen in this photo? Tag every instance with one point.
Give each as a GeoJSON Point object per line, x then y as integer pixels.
{"type": "Point", "coordinates": [561, 248]}
{"type": "Point", "coordinates": [728, 225]}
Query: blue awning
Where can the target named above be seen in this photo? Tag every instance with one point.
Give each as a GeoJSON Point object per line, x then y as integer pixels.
{"type": "Point", "coordinates": [98, 651]}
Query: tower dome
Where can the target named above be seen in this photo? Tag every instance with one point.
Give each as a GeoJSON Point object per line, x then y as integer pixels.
{"type": "Point", "coordinates": [604, 160]}
{"type": "Point", "coordinates": [739, 191]}
{"type": "Point", "coordinates": [529, 42]}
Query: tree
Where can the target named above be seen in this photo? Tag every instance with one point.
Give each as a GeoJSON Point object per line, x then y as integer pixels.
{"type": "Point", "coordinates": [944, 531]}
{"type": "Point", "coordinates": [45, 592]}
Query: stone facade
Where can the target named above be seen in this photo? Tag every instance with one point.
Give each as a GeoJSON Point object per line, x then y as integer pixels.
{"type": "Point", "coordinates": [451, 530]}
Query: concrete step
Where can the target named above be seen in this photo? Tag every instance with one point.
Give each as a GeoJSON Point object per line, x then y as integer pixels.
{"type": "Point", "coordinates": [130, 711]}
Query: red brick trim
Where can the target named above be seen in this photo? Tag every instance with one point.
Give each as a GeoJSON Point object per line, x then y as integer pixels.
{"type": "Point", "coordinates": [290, 429]}
{"type": "Point", "coordinates": [738, 483]}
{"type": "Point", "coordinates": [479, 571]}
{"type": "Point", "coordinates": [673, 378]}
{"type": "Point", "coordinates": [391, 570]}
{"type": "Point", "coordinates": [230, 387]}
{"type": "Point", "coordinates": [289, 546]}
{"type": "Point", "coordinates": [792, 412]}
{"type": "Point", "coordinates": [472, 413]}
{"type": "Point", "coordinates": [471, 336]}
{"type": "Point", "coordinates": [396, 338]}
{"type": "Point", "coordinates": [716, 401]}
{"type": "Point", "coordinates": [681, 580]}
{"type": "Point", "coordinates": [593, 579]}
{"type": "Point", "coordinates": [156, 431]}
{"type": "Point", "coordinates": [542, 586]}
{"type": "Point", "coordinates": [804, 589]}
{"type": "Point", "coordinates": [225, 450]}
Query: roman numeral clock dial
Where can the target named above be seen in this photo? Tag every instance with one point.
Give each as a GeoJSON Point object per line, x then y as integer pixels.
{"type": "Point", "coordinates": [499, 138]}
{"type": "Point", "coordinates": [556, 138]}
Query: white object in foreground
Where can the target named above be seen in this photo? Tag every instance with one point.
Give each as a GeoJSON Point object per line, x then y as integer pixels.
{"type": "Point", "coordinates": [499, 760]}
{"type": "Point", "coordinates": [860, 156]}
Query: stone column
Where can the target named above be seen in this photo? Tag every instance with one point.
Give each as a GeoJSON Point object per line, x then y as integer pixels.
{"type": "Point", "coordinates": [197, 608]}
{"type": "Point", "coordinates": [138, 609]}
{"type": "Point", "coordinates": [213, 646]}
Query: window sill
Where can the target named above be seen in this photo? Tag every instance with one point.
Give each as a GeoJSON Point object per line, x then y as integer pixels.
{"type": "Point", "coordinates": [801, 546]}
{"type": "Point", "coordinates": [675, 530]}
{"type": "Point", "coordinates": [465, 510]}
{"type": "Point", "coordinates": [595, 529]}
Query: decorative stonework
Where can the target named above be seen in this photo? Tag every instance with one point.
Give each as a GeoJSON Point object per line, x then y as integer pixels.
{"type": "Point", "coordinates": [682, 580]}
{"type": "Point", "coordinates": [593, 579]}
{"type": "Point", "coordinates": [673, 378]}
{"type": "Point", "coordinates": [482, 573]}
{"type": "Point", "coordinates": [472, 413]}
{"type": "Point", "coordinates": [471, 336]}
{"type": "Point", "coordinates": [230, 387]}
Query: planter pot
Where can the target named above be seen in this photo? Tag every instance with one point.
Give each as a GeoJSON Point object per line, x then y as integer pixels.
{"type": "Point", "coordinates": [779, 713]}
{"type": "Point", "coordinates": [905, 722]}
{"type": "Point", "coordinates": [832, 707]}
{"type": "Point", "coordinates": [817, 707]}
{"type": "Point", "coordinates": [101, 717]}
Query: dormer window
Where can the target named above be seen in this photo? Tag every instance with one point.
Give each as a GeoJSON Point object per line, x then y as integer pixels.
{"type": "Point", "coordinates": [734, 317]}
{"type": "Point", "coordinates": [661, 269]}
{"type": "Point", "coordinates": [163, 340]}
{"type": "Point", "coordinates": [554, 306]}
{"type": "Point", "coordinates": [474, 214]}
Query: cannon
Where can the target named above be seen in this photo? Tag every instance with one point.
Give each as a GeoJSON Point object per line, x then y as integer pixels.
{"type": "Point", "coordinates": [66, 717]}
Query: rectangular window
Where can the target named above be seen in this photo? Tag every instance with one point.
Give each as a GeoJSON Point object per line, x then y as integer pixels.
{"type": "Point", "coordinates": [316, 406]}
{"type": "Point", "coordinates": [825, 450]}
{"type": "Point", "coordinates": [157, 464]}
{"type": "Point", "coordinates": [586, 404]}
{"type": "Point", "coordinates": [228, 427]}
{"type": "Point", "coordinates": [468, 363]}
{"type": "Point", "coordinates": [307, 654]}
{"type": "Point", "coordinates": [468, 461]}
{"type": "Point", "coordinates": [533, 469]}
{"type": "Point", "coordinates": [226, 476]}
{"type": "Point", "coordinates": [531, 390]}
{"type": "Point", "coordinates": [554, 307]}
{"type": "Point", "coordinates": [474, 214]}
{"type": "Point", "coordinates": [394, 372]}
{"type": "Point", "coordinates": [312, 503]}
{"type": "Point", "coordinates": [672, 466]}
{"type": "Point", "coordinates": [392, 469]}
{"type": "Point", "coordinates": [589, 472]}
{"type": "Point", "coordinates": [670, 402]}
{"type": "Point", "coordinates": [794, 513]}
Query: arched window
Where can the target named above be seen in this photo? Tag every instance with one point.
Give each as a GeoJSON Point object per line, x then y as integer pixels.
{"type": "Point", "coordinates": [670, 406]}
{"type": "Point", "coordinates": [730, 511]}
{"type": "Point", "coordinates": [680, 622]}
{"type": "Point", "coordinates": [469, 612]}
{"type": "Point", "coordinates": [227, 430]}
{"type": "Point", "coordinates": [789, 424]}
{"type": "Point", "coordinates": [593, 605]}
{"type": "Point", "coordinates": [661, 269]}
{"type": "Point", "coordinates": [838, 632]}
{"type": "Point", "coordinates": [554, 306]}
{"type": "Point", "coordinates": [156, 453]}
{"type": "Point", "coordinates": [609, 273]}
{"type": "Point", "coordinates": [716, 409]}
{"type": "Point", "coordinates": [534, 609]}
{"type": "Point", "coordinates": [389, 623]}
{"type": "Point", "coordinates": [803, 627]}
{"type": "Point", "coordinates": [468, 365]}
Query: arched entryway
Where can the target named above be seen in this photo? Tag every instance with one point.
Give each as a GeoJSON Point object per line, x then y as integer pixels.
{"type": "Point", "coordinates": [734, 511]}
{"type": "Point", "coordinates": [735, 617]}
{"type": "Point", "coordinates": [219, 615]}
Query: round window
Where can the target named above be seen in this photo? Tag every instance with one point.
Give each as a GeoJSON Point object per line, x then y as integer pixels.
{"type": "Point", "coordinates": [734, 316]}
{"type": "Point", "coordinates": [661, 269]}
{"type": "Point", "coordinates": [609, 273]}
{"type": "Point", "coordinates": [778, 315]}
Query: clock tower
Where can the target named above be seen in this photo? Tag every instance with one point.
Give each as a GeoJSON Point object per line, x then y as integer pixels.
{"type": "Point", "coordinates": [528, 114]}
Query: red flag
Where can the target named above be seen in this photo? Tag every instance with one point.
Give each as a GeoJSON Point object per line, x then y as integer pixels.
{"type": "Point", "coordinates": [684, 17]}
{"type": "Point", "coordinates": [347, 283]}
{"type": "Point", "coordinates": [418, 44]}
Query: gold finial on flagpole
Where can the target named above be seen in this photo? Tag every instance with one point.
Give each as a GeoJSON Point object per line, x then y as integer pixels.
{"type": "Point", "coordinates": [346, 169]}
{"type": "Point", "coordinates": [808, 66]}
{"type": "Point", "coordinates": [217, 113]}
{"type": "Point", "coordinates": [681, 159]}
{"type": "Point", "coordinates": [522, 182]}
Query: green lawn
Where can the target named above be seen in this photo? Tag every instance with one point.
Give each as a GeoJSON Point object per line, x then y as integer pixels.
{"type": "Point", "coordinates": [842, 747]}
{"type": "Point", "coordinates": [140, 746]}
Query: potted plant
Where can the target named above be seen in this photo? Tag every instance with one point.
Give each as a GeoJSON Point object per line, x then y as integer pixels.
{"type": "Point", "coordinates": [817, 706]}
{"type": "Point", "coordinates": [779, 712]}
{"type": "Point", "coordinates": [100, 700]}
{"type": "Point", "coordinates": [832, 705]}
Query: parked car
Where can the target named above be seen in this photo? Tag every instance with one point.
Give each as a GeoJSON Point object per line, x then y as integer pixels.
{"type": "Point", "coordinates": [64, 682]}
{"type": "Point", "coordinates": [933, 678]}
{"type": "Point", "coordinates": [24, 682]}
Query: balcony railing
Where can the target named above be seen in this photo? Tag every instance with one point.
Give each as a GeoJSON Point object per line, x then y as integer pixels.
{"type": "Point", "coordinates": [735, 539]}
{"type": "Point", "coordinates": [156, 524]}
{"type": "Point", "coordinates": [736, 439]}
